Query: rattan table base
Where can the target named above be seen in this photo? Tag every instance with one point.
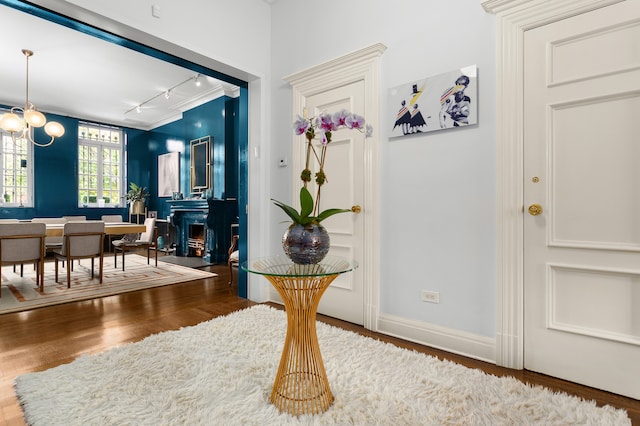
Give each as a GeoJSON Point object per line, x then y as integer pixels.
{"type": "Point", "coordinates": [301, 385]}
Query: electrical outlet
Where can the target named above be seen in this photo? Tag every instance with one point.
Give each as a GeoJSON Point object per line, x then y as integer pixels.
{"type": "Point", "coordinates": [430, 296]}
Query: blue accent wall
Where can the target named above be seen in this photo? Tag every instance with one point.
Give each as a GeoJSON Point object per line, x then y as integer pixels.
{"type": "Point", "coordinates": [210, 119]}
{"type": "Point", "coordinates": [225, 119]}
{"type": "Point", "coordinates": [55, 178]}
{"type": "Point", "coordinates": [56, 166]}
{"type": "Point", "coordinates": [241, 147]}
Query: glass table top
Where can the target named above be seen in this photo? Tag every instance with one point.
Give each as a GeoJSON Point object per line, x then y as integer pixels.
{"type": "Point", "coordinates": [283, 266]}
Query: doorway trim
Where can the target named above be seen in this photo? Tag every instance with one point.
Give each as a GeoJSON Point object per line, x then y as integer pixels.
{"type": "Point", "coordinates": [361, 65]}
{"type": "Point", "coordinates": [513, 18]}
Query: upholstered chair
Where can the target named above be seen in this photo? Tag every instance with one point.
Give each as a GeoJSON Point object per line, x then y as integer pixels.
{"type": "Point", "coordinates": [23, 242]}
{"type": "Point", "coordinates": [74, 218]}
{"type": "Point", "coordinates": [234, 256]}
{"type": "Point", "coordinates": [81, 240]}
{"type": "Point", "coordinates": [13, 221]}
{"type": "Point", "coordinates": [55, 242]}
{"type": "Point", "coordinates": [112, 218]}
{"type": "Point", "coordinates": [148, 239]}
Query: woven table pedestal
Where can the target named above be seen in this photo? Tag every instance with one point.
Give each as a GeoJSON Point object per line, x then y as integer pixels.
{"type": "Point", "coordinates": [301, 385]}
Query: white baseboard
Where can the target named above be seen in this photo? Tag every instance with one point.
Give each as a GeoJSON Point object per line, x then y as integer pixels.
{"type": "Point", "coordinates": [435, 336]}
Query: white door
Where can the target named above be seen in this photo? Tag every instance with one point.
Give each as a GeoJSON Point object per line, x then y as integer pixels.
{"type": "Point", "coordinates": [582, 166]}
{"type": "Point", "coordinates": [344, 299]}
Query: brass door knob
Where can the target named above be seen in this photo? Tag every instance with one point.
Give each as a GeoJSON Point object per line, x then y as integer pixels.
{"type": "Point", "coordinates": [356, 209]}
{"type": "Point", "coordinates": [535, 209]}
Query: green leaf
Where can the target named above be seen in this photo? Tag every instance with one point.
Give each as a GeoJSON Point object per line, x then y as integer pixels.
{"type": "Point", "coordinates": [330, 212]}
{"type": "Point", "coordinates": [290, 211]}
{"type": "Point", "coordinates": [306, 203]}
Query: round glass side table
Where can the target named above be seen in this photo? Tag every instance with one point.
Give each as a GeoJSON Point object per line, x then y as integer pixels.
{"type": "Point", "coordinates": [301, 385]}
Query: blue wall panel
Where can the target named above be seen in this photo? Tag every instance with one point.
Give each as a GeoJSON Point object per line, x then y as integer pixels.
{"type": "Point", "coordinates": [205, 120]}
{"type": "Point", "coordinates": [56, 166]}
{"type": "Point", "coordinates": [241, 144]}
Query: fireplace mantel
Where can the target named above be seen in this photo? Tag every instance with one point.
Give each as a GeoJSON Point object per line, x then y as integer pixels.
{"type": "Point", "coordinates": [183, 214]}
{"type": "Point", "coordinates": [217, 217]}
{"type": "Point", "coordinates": [195, 204]}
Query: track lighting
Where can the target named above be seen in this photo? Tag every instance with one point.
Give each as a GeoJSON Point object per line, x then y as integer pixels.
{"type": "Point", "coordinates": [197, 80]}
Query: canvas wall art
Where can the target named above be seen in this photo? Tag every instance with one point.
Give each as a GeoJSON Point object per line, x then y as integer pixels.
{"type": "Point", "coordinates": [443, 101]}
{"type": "Point", "coordinates": [168, 174]}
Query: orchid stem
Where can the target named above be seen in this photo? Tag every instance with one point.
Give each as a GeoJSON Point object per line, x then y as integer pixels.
{"type": "Point", "coordinates": [309, 148]}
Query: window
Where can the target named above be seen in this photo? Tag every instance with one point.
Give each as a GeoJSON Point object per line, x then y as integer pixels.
{"type": "Point", "coordinates": [17, 172]}
{"type": "Point", "coordinates": [100, 166]}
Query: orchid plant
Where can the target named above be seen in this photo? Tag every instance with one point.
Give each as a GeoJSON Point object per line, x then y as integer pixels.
{"type": "Point", "coordinates": [320, 128]}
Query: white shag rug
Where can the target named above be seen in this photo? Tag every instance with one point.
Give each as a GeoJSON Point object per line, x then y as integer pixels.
{"type": "Point", "coordinates": [220, 372]}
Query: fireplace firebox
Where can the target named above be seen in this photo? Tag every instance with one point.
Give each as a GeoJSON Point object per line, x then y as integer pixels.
{"type": "Point", "coordinates": [197, 240]}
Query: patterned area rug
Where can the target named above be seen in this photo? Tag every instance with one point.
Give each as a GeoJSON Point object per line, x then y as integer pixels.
{"type": "Point", "coordinates": [221, 372]}
{"type": "Point", "coordinates": [22, 293]}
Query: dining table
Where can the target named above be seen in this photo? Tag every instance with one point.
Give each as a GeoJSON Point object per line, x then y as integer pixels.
{"type": "Point", "coordinates": [110, 228]}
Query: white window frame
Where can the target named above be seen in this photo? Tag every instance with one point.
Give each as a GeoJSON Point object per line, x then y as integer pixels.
{"type": "Point", "coordinates": [88, 140]}
{"type": "Point", "coordinates": [29, 202]}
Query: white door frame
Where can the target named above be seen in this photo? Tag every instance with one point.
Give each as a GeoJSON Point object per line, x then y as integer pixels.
{"type": "Point", "coordinates": [362, 65]}
{"type": "Point", "coordinates": [513, 18]}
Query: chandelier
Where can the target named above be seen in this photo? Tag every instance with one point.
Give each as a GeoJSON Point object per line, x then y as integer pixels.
{"type": "Point", "coordinates": [20, 128]}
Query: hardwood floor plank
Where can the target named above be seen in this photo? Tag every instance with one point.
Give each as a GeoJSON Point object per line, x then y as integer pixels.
{"type": "Point", "coordinates": [46, 337]}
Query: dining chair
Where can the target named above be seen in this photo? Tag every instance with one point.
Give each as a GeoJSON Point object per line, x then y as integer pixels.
{"type": "Point", "coordinates": [148, 239]}
{"type": "Point", "coordinates": [234, 256]}
{"type": "Point", "coordinates": [23, 242]}
{"type": "Point", "coordinates": [74, 218]}
{"type": "Point", "coordinates": [14, 221]}
{"type": "Point", "coordinates": [112, 218]}
{"type": "Point", "coordinates": [51, 243]}
{"type": "Point", "coordinates": [81, 240]}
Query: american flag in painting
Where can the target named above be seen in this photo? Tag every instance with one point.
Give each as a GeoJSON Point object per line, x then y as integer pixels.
{"type": "Point", "coordinates": [449, 92]}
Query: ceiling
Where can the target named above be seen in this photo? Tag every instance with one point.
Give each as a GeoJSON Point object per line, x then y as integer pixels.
{"type": "Point", "coordinates": [75, 74]}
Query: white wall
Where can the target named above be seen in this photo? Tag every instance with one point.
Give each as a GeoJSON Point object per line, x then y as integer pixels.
{"type": "Point", "coordinates": [438, 188]}
{"type": "Point", "coordinates": [438, 193]}
{"type": "Point", "coordinates": [234, 32]}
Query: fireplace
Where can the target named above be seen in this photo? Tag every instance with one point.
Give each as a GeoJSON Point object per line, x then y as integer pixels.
{"type": "Point", "coordinates": [189, 217]}
{"type": "Point", "coordinates": [197, 239]}
{"type": "Point", "coordinates": [203, 227]}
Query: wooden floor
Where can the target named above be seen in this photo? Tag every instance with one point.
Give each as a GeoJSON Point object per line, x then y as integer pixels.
{"type": "Point", "coordinates": [43, 338]}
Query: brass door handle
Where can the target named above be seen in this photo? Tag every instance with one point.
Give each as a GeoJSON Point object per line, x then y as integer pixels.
{"type": "Point", "coordinates": [356, 209]}
{"type": "Point", "coordinates": [535, 209]}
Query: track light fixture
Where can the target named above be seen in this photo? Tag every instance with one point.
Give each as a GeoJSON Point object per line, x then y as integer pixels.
{"type": "Point", "coordinates": [197, 80]}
